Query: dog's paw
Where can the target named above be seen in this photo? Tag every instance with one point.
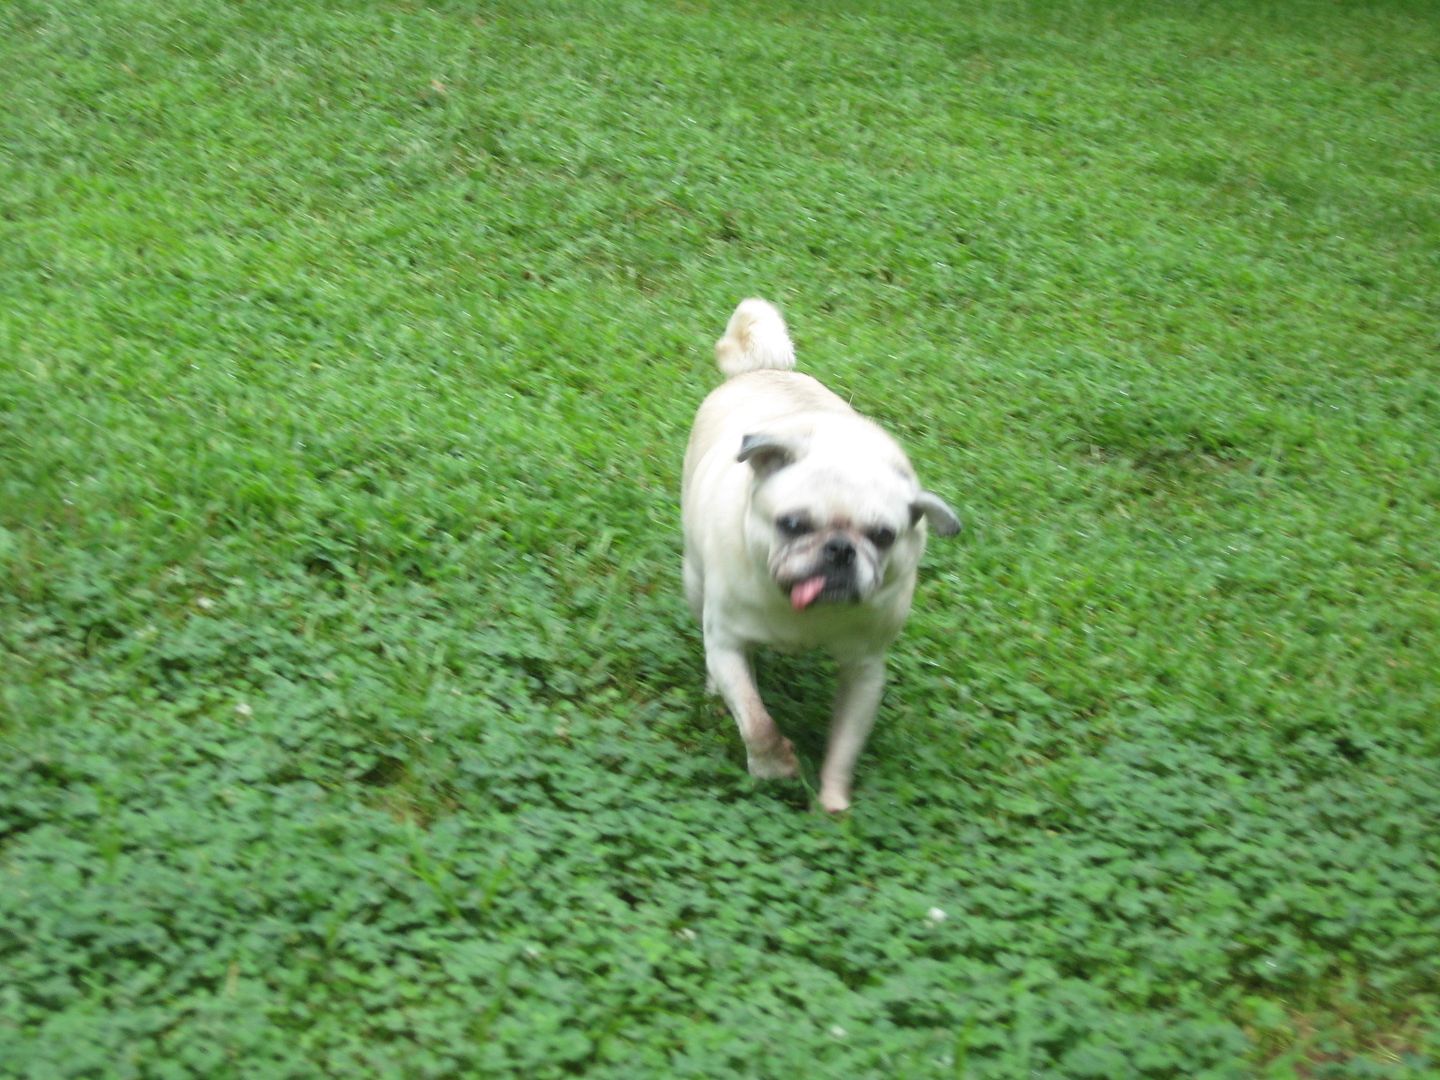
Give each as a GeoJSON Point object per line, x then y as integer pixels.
{"type": "Point", "coordinates": [834, 800]}
{"type": "Point", "coordinates": [776, 763]}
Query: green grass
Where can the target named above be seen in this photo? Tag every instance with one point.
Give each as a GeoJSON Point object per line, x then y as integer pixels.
{"type": "Point", "coordinates": [352, 720]}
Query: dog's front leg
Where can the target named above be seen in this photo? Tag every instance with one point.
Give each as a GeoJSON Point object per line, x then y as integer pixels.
{"type": "Point", "coordinates": [861, 682]}
{"type": "Point", "coordinates": [769, 754]}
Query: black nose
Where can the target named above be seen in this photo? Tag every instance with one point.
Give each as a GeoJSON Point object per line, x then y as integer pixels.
{"type": "Point", "coordinates": [839, 551]}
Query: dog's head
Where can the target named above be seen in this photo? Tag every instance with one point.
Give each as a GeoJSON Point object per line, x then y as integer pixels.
{"type": "Point", "coordinates": [837, 512]}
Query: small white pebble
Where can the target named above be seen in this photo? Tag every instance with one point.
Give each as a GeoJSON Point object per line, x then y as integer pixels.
{"type": "Point", "coordinates": [936, 915]}
{"type": "Point", "coordinates": [532, 951]}
{"type": "Point", "coordinates": [204, 603]}
{"type": "Point", "coordinates": [837, 1031]}
{"type": "Point", "coordinates": [244, 711]}
{"type": "Point", "coordinates": [686, 933]}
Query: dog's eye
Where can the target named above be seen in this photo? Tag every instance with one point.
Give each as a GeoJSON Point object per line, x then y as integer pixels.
{"type": "Point", "coordinates": [881, 537]}
{"type": "Point", "coordinates": [792, 525]}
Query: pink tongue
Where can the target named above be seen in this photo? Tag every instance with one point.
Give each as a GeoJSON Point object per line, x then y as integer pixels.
{"type": "Point", "coordinates": [804, 594]}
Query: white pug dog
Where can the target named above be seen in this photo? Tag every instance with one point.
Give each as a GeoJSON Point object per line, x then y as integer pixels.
{"type": "Point", "coordinates": [804, 524]}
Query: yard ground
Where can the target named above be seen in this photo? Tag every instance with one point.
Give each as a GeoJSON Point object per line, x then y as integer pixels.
{"type": "Point", "coordinates": [351, 720]}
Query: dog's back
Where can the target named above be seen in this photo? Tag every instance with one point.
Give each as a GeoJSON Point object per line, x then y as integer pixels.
{"type": "Point", "coordinates": [761, 385]}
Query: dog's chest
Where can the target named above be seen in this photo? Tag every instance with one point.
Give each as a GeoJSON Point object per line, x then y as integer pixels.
{"type": "Point", "coordinates": [839, 629]}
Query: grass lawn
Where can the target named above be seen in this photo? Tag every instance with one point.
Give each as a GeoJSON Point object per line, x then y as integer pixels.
{"type": "Point", "coordinates": [351, 719]}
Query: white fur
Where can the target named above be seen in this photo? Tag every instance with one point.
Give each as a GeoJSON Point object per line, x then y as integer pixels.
{"type": "Point", "coordinates": [755, 340]}
{"type": "Point", "coordinates": [847, 476]}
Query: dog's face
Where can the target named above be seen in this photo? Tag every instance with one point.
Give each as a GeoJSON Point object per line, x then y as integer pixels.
{"type": "Point", "coordinates": [836, 522]}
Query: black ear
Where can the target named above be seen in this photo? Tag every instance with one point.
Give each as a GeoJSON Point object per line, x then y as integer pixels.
{"type": "Point", "coordinates": [766, 453]}
{"type": "Point", "coordinates": [933, 509]}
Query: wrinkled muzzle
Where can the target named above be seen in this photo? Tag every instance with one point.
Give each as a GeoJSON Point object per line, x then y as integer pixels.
{"type": "Point", "coordinates": [833, 576]}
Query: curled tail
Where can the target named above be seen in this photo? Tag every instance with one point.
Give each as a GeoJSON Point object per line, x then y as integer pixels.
{"type": "Point", "coordinates": [755, 339]}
